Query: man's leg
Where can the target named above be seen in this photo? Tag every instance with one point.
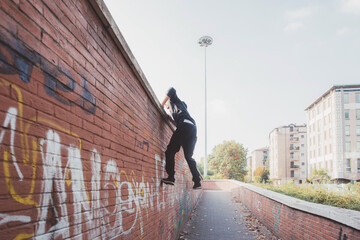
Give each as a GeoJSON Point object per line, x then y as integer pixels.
{"type": "Point", "coordinates": [189, 146]}
{"type": "Point", "coordinates": [172, 148]}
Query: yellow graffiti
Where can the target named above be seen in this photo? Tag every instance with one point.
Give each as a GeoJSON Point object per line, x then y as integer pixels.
{"type": "Point", "coordinates": [24, 141]}
{"type": "Point", "coordinates": [21, 236]}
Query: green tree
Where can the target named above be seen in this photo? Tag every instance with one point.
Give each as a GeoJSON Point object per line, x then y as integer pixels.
{"type": "Point", "coordinates": [261, 174]}
{"type": "Point", "coordinates": [229, 160]}
{"type": "Point", "coordinates": [319, 176]}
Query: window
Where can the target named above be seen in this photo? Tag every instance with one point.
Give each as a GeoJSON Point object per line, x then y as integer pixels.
{"type": "Point", "coordinates": [357, 97]}
{"type": "Point", "coordinates": [346, 113]}
{"type": "Point", "coordinates": [358, 165]}
{"type": "Point", "coordinates": [357, 113]}
{"type": "Point", "coordinates": [347, 130]}
{"type": "Point", "coordinates": [302, 154]}
{"type": "Point", "coordinates": [348, 165]}
{"type": "Point", "coordinates": [292, 173]}
{"type": "Point", "coordinates": [357, 130]}
{"type": "Point", "coordinates": [358, 146]}
{"type": "Point", "coordinates": [302, 136]}
{"type": "Point", "coordinates": [347, 147]}
{"type": "Point", "coordinates": [291, 129]}
{"type": "Point", "coordinates": [303, 163]}
{"type": "Point", "coordinates": [346, 98]}
{"type": "Point", "coordinates": [302, 145]}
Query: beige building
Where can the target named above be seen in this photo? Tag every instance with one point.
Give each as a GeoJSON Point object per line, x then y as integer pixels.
{"type": "Point", "coordinates": [258, 158]}
{"type": "Point", "coordinates": [287, 154]}
{"type": "Point", "coordinates": [334, 133]}
{"type": "Point", "coordinates": [249, 167]}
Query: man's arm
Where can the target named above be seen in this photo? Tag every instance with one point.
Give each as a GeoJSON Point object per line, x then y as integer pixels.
{"type": "Point", "coordinates": [165, 100]}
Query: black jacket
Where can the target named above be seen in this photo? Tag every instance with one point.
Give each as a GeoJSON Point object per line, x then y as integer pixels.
{"type": "Point", "coordinates": [179, 108]}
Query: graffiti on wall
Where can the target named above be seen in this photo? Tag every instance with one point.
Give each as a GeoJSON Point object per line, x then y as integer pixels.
{"type": "Point", "coordinates": [141, 144]}
{"type": "Point", "coordinates": [341, 235]}
{"type": "Point", "coordinates": [59, 82]}
{"type": "Point", "coordinates": [105, 199]}
{"type": "Point", "coordinates": [276, 211]}
{"type": "Point", "coordinates": [65, 189]}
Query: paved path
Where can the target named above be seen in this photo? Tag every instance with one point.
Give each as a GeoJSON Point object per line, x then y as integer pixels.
{"type": "Point", "coordinates": [217, 216]}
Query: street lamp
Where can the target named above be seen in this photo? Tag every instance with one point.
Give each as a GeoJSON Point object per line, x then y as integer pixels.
{"type": "Point", "coordinates": [205, 41]}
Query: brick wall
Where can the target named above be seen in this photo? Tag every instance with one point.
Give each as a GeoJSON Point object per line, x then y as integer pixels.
{"type": "Point", "coordinates": [291, 218]}
{"type": "Point", "coordinates": [82, 134]}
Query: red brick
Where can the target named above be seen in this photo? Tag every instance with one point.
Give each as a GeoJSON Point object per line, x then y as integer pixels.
{"type": "Point", "coordinates": [12, 11]}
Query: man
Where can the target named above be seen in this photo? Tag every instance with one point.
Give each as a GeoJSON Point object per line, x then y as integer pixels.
{"type": "Point", "coordinates": [184, 136]}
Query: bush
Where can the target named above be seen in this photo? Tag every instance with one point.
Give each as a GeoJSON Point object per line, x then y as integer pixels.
{"type": "Point", "coordinates": [314, 193]}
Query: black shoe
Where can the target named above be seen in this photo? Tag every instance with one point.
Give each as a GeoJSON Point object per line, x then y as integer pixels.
{"type": "Point", "coordinates": [170, 181]}
{"type": "Point", "coordinates": [197, 185]}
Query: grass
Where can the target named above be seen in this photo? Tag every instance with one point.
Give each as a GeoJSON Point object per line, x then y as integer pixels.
{"type": "Point", "coordinates": [349, 199]}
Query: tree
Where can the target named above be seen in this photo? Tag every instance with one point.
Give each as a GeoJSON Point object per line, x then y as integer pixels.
{"type": "Point", "coordinates": [319, 176]}
{"type": "Point", "coordinates": [229, 160]}
{"type": "Point", "coordinates": [261, 174]}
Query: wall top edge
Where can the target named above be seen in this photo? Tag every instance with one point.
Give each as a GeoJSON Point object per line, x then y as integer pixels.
{"type": "Point", "coordinates": [106, 18]}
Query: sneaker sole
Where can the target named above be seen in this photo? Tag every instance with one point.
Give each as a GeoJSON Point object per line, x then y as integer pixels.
{"type": "Point", "coordinates": [167, 182]}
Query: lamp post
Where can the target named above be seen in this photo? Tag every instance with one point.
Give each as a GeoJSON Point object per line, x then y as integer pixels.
{"type": "Point", "coordinates": [205, 41]}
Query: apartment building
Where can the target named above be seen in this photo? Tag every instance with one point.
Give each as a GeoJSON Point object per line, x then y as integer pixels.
{"type": "Point", "coordinates": [288, 154]}
{"type": "Point", "coordinates": [258, 158]}
{"type": "Point", "coordinates": [334, 133]}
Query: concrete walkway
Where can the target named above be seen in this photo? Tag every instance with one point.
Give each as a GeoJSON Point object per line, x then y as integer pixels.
{"type": "Point", "coordinates": [217, 216]}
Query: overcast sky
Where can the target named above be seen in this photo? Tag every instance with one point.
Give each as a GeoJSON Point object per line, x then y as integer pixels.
{"type": "Point", "coordinates": [268, 62]}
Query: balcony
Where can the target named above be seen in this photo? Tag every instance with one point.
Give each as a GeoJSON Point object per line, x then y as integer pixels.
{"type": "Point", "coordinates": [294, 148]}
{"type": "Point", "coordinates": [294, 139]}
{"type": "Point", "coordinates": [294, 166]}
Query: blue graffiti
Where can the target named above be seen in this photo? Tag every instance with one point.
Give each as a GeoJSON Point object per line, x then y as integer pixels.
{"type": "Point", "coordinates": [21, 62]}
{"type": "Point", "coordinates": [276, 214]}
{"type": "Point", "coordinates": [53, 87]}
{"type": "Point", "coordinates": [90, 103]}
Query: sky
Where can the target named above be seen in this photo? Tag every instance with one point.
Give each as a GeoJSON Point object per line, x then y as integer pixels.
{"type": "Point", "coordinates": [268, 62]}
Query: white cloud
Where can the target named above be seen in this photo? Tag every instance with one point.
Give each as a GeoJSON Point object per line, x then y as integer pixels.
{"type": "Point", "coordinates": [342, 31]}
{"type": "Point", "coordinates": [351, 6]}
{"type": "Point", "coordinates": [300, 13]}
{"type": "Point", "coordinates": [293, 27]}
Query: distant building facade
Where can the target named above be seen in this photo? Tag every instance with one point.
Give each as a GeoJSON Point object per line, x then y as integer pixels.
{"type": "Point", "coordinates": [258, 158]}
{"type": "Point", "coordinates": [288, 154]}
{"type": "Point", "coordinates": [334, 133]}
{"type": "Point", "coordinates": [249, 167]}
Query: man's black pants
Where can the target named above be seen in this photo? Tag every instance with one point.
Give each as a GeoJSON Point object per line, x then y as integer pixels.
{"type": "Point", "coordinates": [184, 136]}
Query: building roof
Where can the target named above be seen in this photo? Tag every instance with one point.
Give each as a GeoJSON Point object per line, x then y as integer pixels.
{"type": "Point", "coordinates": [330, 90]}
{"type": "Point", "coordinates": [287, 126]}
